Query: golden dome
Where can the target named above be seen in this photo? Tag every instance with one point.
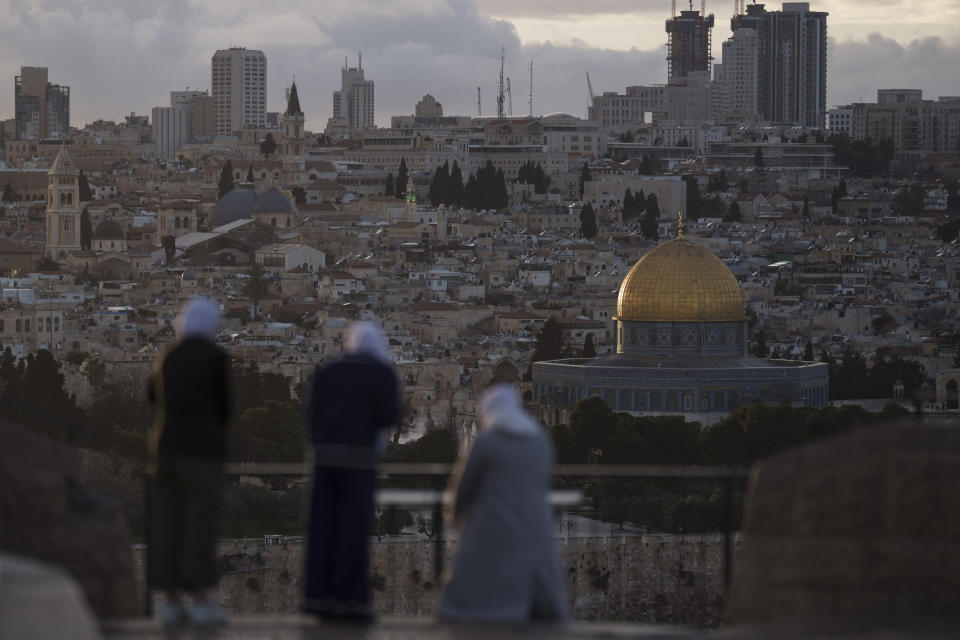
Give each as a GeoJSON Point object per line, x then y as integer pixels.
{"type": "Point", "coordinates": [680, 281]}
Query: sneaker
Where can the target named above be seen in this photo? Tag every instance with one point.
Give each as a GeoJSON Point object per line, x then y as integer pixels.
{"type": "Point", "coordinates": [173, 614]}
{"type": "Point", "coordinates": [206, 614]}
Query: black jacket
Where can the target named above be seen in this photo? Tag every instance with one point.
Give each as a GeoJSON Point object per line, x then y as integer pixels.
{"type": "Point", "coordinates": [352, 399]}
{"type": "Point", "coordinates": [191, 390]}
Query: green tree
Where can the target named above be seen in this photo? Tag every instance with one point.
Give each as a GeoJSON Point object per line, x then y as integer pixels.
{"type": "Point", "coordinates": [388, 187]}
{"type": "Point", "coordinates": [733, 213]}
{"type": "Point", "coordinates": [628, 206]}
{"type": "Point", "coordinates": [268, 146]}
{"type": "Point", "coordinates": [299, 195]}
{"type": "Point", "coordinates": [588, 221]}
{"type": "Point", "coordinates": [808, 352]}
{"type": "Point", "coordinates": [401, 184]}
{"type": "Point", "coordinates": [455, 186]}
{"type": "Point", "coordinates": [225, 185]}
{"type": "Point", "coordinates": [95, 370]}
{"type": "Point", "coordinates": [169, 244]}
{"type": "Point", "coordinates": [759, 348]}
{"type": "Point", "coordinates": [255, 288]}
{"type": "Point", "coordinates": [758, 159]}
{"type": "Point", "coordinates": [270, 433]}
{"type": "Point", "coordinates": [86, 230]}
{"type": "Point", "coordinates": [439, 185]}
{"type": "Point", "coordinates": [8, 194]}
{"type": "Point", "coordinates": [909, 201]}
{"type": "Point", "coordinates": [86, 195]}
{"type": "Point", "coordinates": [589, 351]}
{"type": "Point", "coordinates": [550, 345]}
{"type": "Point", "coordinates": [584, 176]}
{"type": "Point", "coordinates": [250, 177]}
{"type": "Point", "coordinates": [46, 263]}
{"type": "Point", "coordinates": [649, 225]}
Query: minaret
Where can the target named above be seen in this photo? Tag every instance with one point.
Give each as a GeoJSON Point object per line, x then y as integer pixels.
{"type": "Point", "coordinates": [293, 139]}
{"type": "Point", "coordinates": [63, 207]}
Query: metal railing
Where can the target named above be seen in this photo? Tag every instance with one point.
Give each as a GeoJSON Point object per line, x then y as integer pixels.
{"type": "Point", "coordinates": [434, 499]}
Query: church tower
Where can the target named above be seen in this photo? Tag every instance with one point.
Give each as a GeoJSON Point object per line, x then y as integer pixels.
{"type": "Point", "coordinates": [293, 140]}
{"type": "Point", "coordinates": [63, 207]}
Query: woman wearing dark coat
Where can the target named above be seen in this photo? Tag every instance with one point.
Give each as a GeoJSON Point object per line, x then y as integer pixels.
{"type": "Point", "coordinates": [191, 390]}
{"type": "Point", "coordinates": [354, 400]}
{"type": "Point", "coordinates": [507, 568]}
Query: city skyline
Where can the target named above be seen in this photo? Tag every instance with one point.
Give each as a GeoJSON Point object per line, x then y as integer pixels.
{"type": "Point", "coordinates": [444, 48]}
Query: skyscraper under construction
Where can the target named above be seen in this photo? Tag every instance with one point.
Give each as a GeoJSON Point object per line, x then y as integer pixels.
{"type": "Point", "coordinates": [688, 43]}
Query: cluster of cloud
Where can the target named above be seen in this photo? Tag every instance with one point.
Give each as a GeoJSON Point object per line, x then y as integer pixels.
{"type": "Point", "coordinates": [120, 56]}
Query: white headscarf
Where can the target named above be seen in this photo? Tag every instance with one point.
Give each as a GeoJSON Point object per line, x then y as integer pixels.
{"type": "Point", "coordinates": [368, 339]}
{"type": "Point", "coordinates": [501, 408]}
{"type": "Point", "coordinates": [199, 318]}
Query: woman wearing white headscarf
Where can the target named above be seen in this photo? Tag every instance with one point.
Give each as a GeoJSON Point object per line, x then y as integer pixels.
{"type": "Point", "coordinates": [507, 568]}
{"type": "Point", "coordinates": [191, 390]}
{"type": "Point", "coordinates": [354, 400]}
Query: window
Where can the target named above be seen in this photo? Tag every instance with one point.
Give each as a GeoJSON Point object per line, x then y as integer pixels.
{"type": "Point", "coordinates": [19, 325]}
{"type": "Point", "coordinates": [26, 325]}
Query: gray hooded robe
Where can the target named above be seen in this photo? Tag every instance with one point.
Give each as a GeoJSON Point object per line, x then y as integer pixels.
{"type": "Point", "coordinates": [507, 567]}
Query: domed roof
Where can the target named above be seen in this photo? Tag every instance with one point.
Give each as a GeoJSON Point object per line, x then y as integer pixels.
{"type": "Point", "coordinates": [242, 202]}
{"type": "Point", "coordinates": [680, 281]}
{"type": "Point", "coordinates": [108, 230]}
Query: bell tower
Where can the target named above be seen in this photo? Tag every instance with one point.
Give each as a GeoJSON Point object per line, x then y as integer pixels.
{"type": "Point", "coordinates": [63, 207]}
{"type": "Point", "coordinates": [293, 139]}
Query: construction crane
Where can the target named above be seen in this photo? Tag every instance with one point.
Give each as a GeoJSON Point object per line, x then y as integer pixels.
{"type": "Point", "coordinates": [500, 96]}
{"type": "Point", "coordinates": [589, 87]}
{"type": "Point", "coordinates": [531, 89]}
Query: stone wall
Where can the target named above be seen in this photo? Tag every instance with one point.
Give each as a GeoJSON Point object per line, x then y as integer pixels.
{"type": "Point", "coordinates": [637, 578]}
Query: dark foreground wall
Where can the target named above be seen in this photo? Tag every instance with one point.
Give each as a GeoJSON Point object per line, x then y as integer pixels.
{"type": "Point", "coordinates": [648, 578]}
{"type": "Point", "coordinates": [46, 514]}
{"type": "Point", "coordinates": [864, 524]}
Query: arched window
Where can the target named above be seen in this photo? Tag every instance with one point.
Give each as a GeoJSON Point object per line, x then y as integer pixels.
{"type": "Point", "coordinates": [19, 325]}
{"type": "Point", "coordinates": [26, 325]}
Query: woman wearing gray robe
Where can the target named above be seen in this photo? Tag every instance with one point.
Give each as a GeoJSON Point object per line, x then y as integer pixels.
{"type": "Point", "coordinates": [507, 568]}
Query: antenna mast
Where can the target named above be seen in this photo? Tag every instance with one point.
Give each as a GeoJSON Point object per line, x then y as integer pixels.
{"type": "Point", "coordinates": [500, 96]}
{"type": "Point", "coordinates": [479, 112]}
{"type": "Point", "coordinates": [531, 88]}
{"type": "Point", "coordinates": [509, 99]}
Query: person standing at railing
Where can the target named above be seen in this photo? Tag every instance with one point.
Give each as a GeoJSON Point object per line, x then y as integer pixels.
{"type": "Point", "coordinates": [507, 568]}
{"type": "Point", "coordinates": [192, 392]}
{"type": "Point", "coordinates": [354, 400]}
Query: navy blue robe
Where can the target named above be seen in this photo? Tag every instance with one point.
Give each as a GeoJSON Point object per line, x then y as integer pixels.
{"type": "Point", "coordinates": [353, 399]}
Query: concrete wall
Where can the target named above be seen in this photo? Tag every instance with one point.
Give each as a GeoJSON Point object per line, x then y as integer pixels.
{"type": "Point", "coordinates": [637, 578]}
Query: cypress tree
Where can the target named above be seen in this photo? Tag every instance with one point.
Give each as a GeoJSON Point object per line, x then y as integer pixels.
{"type": "Point", "coordinates": [401, 184]}
{"type": "Point", "coordinates": [388, 187]}
{"type": "Point", "coordinates": [456, 186]}
{"type": "Point", "coordinates": [225, 185]}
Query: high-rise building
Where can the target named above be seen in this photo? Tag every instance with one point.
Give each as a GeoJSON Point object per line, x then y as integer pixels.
{"type": "Point", "coordinates": [239, 88]}
{"type": "Point", "coordinates": [738, 73]}
{"type": "Point", "coordinates": [201, 117]}
{"type": "Point", "coordinates": [354, 102]}
{"type": "Point", "coordinates": [173, 126]}
{"type": "Point", "coordinates": [688, 44]}
{"type": "Point", "coordinates": [791, 63]}
{"type": "Point", "coordinates": [42, 109]}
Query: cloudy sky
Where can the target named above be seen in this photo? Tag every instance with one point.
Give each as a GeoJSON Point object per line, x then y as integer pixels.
{"type": "Point", "coordinates": [120, 56]}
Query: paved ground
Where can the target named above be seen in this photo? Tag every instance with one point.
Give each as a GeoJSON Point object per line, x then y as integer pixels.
{"type": "Point", "coordinates": [302, 628]}
{"type": "Point", "coordinates": [38, 600]}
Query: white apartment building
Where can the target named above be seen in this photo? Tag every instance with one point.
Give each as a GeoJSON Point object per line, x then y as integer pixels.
{"type": "Point", "coordinates": [239, 87]}
{"type": "Point", "coordinates": [738, 73]}
{"type": "Point", "coordinates": [171, 130]}
{"type": "Point", "coordinates": [354, 102]}
{"type": "Point", "coordinates": [840, 120]}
